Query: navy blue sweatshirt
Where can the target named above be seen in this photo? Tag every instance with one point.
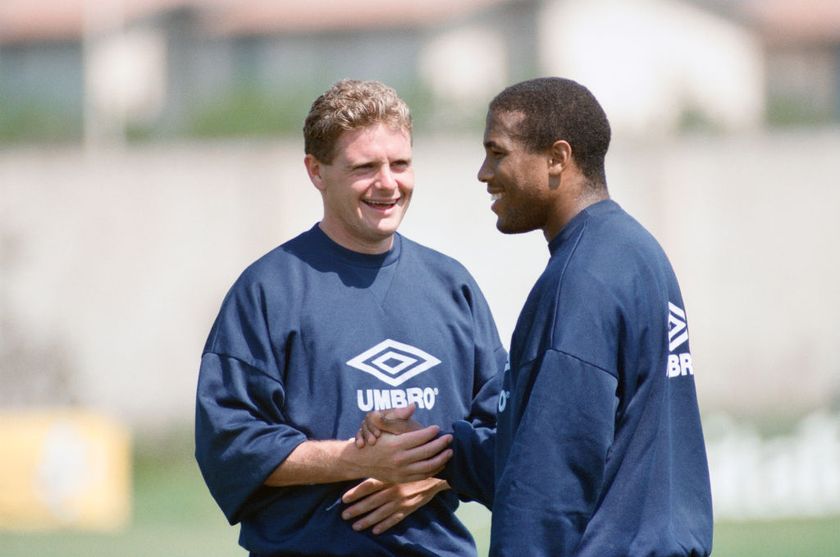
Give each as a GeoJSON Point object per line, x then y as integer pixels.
{"type": "Point", "coordinates": [310, 338]}
{"type": "Point", "coordinates": [599, 450]}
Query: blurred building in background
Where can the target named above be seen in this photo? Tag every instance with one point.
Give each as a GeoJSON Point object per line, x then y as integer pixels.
{"type": "Point", "coordinates": [117, 69]}
{"type": "Point", "coordinates": [136, 68]}
{"type": "Point", "coordinates": [121, 227]}
{"type": "Point", "coordinates": [801, 45]}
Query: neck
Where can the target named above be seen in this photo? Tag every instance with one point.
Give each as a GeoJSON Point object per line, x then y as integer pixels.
{"type": "Point", "coordinates": [570, 206]}
{"type": "Point", "coordinates": [347, 241]}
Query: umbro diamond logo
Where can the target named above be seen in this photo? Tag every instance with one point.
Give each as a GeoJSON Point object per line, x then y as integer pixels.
{"type": "Point", "coordinates": [394, 362]}
{"type": "Point", "coordinates": [677, 330]}
{"type": "Point", "coordinates": [678, 365]}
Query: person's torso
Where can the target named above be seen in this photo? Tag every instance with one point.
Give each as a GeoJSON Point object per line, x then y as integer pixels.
{"type": "Point", "coordinates": [357, 335]}
{"type": "Point", "coordinates": [656, 473]}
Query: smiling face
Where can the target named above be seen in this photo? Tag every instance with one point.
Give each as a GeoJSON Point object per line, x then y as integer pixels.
{"type": "Point", "coordinates": [518, 180]}
{"type": "Point", "coordinates": [366, 188]}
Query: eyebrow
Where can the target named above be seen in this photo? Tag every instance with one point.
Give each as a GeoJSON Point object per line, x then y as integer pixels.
{"type": "Point", "coordinates": [376, 162]}
{"type": "Point", "coordinates": [490, 144]}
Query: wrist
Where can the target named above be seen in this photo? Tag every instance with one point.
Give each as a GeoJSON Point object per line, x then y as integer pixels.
{"type": "Point", "coordinates": [318, 462]}
{"type": "Point", "coordinates": [350, 462]}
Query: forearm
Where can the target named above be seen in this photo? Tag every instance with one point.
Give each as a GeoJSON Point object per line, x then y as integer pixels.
{"type": "Point", "coordinates": [395, 459]}
{"type": "Point", "coordinates": [318, 462]}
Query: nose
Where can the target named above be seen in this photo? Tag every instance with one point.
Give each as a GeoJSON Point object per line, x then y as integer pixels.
{"type": "Point", "coordinates": [485, 172]}
{"type": "Point", "coordinates": [385, 179]}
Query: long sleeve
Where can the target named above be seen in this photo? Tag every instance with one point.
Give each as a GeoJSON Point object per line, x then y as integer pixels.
{"type": "Point", "coordinates": [470, 471]}
{"type": "Point", "coordinates": [489, 364]}
{"type": "Point", "coordinates": [599, 447]}
{"type": "Point", "coordinates": [553, 474]}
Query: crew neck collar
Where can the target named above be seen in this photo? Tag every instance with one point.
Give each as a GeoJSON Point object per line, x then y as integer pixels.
{"type": "Point", "coordinates": [356, 258]}
{"type": "Point", "coordinates": [596, 209]}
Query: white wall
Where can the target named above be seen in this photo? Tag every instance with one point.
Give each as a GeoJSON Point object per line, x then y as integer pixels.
{"type": "Point", "coordinates": [122, 259]}
{"type": "Point", "coordinates": [650, 61]}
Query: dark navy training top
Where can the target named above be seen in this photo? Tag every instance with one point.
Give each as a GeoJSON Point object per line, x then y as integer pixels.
{"type": "Point", "coordinates": [312, 337]}
{"type": "Point", "coordinates": [599, 450]}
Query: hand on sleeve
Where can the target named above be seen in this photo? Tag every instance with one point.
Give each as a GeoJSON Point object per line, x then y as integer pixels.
{"type": "Point", "coordinates": [382, 505]}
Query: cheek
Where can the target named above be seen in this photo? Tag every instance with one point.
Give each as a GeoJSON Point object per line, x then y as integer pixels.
{"type": "Point", "coordinates": [406, 187]}
{"type": "Point", "coordinates": [511, 170]}
{"type": "Point", "coordinates": [511, 179]}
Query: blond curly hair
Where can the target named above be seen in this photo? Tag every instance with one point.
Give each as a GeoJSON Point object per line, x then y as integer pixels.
{"type": "Point", "coordinates": [348, 105]}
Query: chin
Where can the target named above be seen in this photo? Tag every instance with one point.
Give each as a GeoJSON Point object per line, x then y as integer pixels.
{"type": "Point", "coordinates": [386, 231]}
{"type": "Point", "coordinates": [512, 228]}
{"type": "Point", "coordinates": [382, 234]}
{"type": "Point", "coordinates": [504, 227]}
{"type": "Point", "coordinates": [390, 227]}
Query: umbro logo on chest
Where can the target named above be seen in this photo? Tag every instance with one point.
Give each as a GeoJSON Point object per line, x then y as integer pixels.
{"type": "Point", "coordinates": [394, 362]}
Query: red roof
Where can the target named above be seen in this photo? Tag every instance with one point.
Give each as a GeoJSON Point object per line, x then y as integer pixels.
{"type": "Point", "coordinates": [268, 16]}
{"type": "Point", "coordinates": [27, 20]}
{"type": "Point", "coordinates": [796, 20]}
{"type": "Point", "coordinates": [39, 19]}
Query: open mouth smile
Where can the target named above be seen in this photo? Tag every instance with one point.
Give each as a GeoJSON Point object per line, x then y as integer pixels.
{"type": "Point", "coordinates": [381, 205]}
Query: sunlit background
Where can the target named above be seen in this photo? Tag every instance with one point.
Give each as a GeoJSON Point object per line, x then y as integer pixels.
{"type": "Point", "coordinates": [151, 149]}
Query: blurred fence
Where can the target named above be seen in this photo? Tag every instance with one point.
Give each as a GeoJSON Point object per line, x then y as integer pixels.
{"type": "Point", "coordinates": [797, 474]}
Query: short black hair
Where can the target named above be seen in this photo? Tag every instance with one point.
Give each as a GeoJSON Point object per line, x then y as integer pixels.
{"type": "Point", "coordinates": [556, 109]}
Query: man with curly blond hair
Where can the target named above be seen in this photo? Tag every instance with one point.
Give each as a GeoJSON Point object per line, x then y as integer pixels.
{"type": "Point", "coordinates": [346, 318]}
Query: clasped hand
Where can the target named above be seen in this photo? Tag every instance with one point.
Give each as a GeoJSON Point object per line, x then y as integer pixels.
{"type": "Point", "coordinates": [405, 451]}
{"type": "Point", "coordinates": [395, 421]}
{"type": "Point", "coordinates": [401, 465]}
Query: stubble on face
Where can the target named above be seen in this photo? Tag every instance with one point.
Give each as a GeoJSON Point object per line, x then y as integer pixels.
{"type": "Point", "coordinates": [367, 188]}
{"type": "Point", "coordinates": [516, 178]}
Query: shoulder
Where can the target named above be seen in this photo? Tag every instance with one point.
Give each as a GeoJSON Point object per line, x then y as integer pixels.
{"type": "Point", "coordinates": [280, 261]}
{"type": "Point", "coordinates": [442, 273]}
{"type": "Point", "coordinates": [620, 235]}
{"type": "Point", "coordinates": [435, 261]}
{"type": "Point", "coordinates": [615, 248]}
{"type": "Point", "coordinates": [276, 272]}
{"type": "Point", "coordinates": [262, 292]}
{"type": "Point", "coordinates": [616, 265]}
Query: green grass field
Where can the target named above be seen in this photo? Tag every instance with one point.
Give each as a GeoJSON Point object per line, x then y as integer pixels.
{"type": "Point", "coordinates": [174, 516]}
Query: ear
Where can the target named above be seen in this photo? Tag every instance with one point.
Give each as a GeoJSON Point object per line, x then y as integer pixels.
{"type": "Point", "coordinates": [314, 168]}
{"type": "Point", "coordinates": [561, 157]}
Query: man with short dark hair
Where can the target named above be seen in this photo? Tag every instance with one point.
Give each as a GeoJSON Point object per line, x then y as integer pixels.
{"type": "Point", "coordinates": [599, 449]}
{"type": "Point", "coordinates": [346, 318]}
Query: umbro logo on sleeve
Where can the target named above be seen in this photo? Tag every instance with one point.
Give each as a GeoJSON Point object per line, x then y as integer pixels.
{"type": "Point", "coordinates": [679, 364]}
{"type": "Point", "coordinates": [677, 329]}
